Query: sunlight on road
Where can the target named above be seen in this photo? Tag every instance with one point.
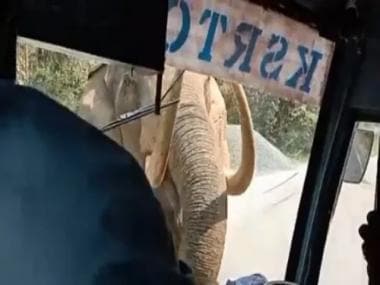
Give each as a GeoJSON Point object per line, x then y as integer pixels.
{"type": "Point", "coordinates": [261, 223]}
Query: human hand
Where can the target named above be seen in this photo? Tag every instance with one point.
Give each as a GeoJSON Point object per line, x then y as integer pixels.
{"type": "Point", "coordinates": [370, 234]}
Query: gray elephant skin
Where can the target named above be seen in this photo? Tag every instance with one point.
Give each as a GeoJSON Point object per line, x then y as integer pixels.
{"type": "Point", "coordinates": [183, 151]}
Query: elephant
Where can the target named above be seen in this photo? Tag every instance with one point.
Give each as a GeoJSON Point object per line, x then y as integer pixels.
{"type": "Point", "coordinates": [183, 151]}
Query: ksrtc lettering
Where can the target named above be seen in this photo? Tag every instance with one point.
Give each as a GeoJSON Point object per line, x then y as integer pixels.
{"type": "Point", "coordinates": [246, 39]}
{"type": "Point", "coordinates": [306, 71]}
{"type": "Point", "coordinates": [241, 48]}
{"type": "Point", "coordinates": [274, 56]}
{"type": "Point", "coordinates": [216, 18]}
{"type": "Point", "coordinates": [185, 28]}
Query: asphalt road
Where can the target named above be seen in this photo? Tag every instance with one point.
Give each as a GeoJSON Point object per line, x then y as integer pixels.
{"type": "Point", "coordinates": [268, 158]}
{"type": "Point", "coordinates": [261, 223]}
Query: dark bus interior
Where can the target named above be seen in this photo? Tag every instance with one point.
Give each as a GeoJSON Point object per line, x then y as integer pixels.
{"type": "Point", "coordinates": [350, 95]}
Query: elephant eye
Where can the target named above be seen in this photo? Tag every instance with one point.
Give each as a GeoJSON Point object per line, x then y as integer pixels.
{"type": "Point", "coordinates": [128, 81]}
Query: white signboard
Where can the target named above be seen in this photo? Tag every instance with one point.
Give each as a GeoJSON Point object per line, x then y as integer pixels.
{"type": "Point", "coordinates": [237, 40]}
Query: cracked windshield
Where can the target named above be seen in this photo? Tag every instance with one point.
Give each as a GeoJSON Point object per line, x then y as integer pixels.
{"type": "Point", "coordinates": [261, 179]}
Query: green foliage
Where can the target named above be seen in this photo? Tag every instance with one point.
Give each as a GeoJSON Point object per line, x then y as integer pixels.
{"type": "Point", "coordinates": [231, 104]}
{"type": "Point", "coordinates": [288, 125]}
{"type": "Point", "coordinates": [58, 75]}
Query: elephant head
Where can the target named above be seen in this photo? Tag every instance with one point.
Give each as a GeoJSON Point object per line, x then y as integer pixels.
{"type": "Point", "coordinates": [114, 90]}
{"type": "Point", "coordinates": [184, 153]}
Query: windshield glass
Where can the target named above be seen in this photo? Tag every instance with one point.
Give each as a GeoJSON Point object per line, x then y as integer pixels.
{"type": "Point", "coordinates": [260, 221]}
{"type": "Point", "coordinates": [343, 247]}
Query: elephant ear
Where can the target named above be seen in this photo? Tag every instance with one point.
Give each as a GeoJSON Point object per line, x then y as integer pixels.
{"type": "Point", "coordinates": [96, 106]}
{"type": "Point", "coordinates": [162, 129]}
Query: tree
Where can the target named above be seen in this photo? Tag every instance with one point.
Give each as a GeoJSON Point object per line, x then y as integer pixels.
{"type": "Point", "coordinates": [287, 124]}
{"type": "Point", "coordinates": [58, 75]}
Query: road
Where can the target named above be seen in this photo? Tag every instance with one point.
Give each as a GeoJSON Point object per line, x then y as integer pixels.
{"type": "Point", "coordinates": [261, 222]}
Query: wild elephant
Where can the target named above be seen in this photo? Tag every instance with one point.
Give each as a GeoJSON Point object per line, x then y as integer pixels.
{"type": "Point", "coordinates": [184, 153]}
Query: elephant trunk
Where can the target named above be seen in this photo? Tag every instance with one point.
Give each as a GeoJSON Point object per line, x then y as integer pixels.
{"type": "Point", "coordinates": [240, 181]}
{"type": "Point", "coordinates": [201, 183]}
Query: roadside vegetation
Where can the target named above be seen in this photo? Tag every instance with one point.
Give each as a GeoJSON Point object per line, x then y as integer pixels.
{"type": "Point", "coordinates": [288, 125]}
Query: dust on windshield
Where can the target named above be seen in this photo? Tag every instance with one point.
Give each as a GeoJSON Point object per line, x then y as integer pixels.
{"type": "Point", "coordinates": [260, 222]}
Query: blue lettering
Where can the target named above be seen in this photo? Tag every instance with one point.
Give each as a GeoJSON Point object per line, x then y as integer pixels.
{"type": "Point", "coordinates": [271, 57]}
{"type": "Point", "coordinates": [206, 53]}
{"type": "Point", "coordinates": [185, 29]}
{"type": "Point", "coordinates": [305, 69]}
{"type": "Point", "coordinates": [242, 47]}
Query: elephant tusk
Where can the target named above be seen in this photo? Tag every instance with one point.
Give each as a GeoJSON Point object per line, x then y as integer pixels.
{"type": "Point", "coordinates": [238, 182]}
